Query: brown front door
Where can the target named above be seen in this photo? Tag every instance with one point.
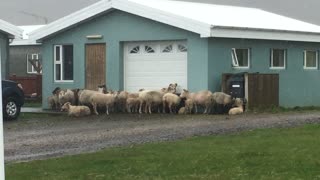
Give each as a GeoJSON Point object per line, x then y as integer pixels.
{"type": "Point", "coordinates": [95, 65]}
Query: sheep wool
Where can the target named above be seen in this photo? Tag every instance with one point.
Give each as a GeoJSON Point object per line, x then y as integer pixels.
{"type": "Point", "coordinates": [76, 111]}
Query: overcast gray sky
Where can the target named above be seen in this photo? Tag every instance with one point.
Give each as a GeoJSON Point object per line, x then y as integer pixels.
{"type": "Point", "coordinates": [31, 12]}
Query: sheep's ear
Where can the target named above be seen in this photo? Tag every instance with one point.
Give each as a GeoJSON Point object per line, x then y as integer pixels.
{"type": "Point", "coordinates": [185, 90]}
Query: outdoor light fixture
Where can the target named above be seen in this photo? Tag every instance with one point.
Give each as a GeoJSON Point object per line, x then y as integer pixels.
{"type": "Point", "coordinates": [94, 37]}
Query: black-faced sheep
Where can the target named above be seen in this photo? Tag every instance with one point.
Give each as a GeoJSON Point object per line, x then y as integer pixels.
{"type": "Point", "coordinates": [76, 111]}
{"type": "Point", "coordinates": [201, 98]}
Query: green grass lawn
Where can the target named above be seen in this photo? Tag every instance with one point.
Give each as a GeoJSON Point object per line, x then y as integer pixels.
{"type": "Point", "coordinates": [261, 154]}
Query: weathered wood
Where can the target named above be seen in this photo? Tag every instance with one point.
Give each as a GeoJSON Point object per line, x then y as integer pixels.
{"type": "Point", "coordinates": [263, 90]}
{"type": "Point", "coordinates": [95, 65]}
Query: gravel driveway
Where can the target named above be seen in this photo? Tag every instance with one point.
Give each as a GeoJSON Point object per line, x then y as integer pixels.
{"type": "Point", "coordinates": [54, 136]}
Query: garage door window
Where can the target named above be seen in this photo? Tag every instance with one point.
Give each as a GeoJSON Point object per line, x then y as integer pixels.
{"type": "Point", "coordinates": [63, 63]}
{"type": "Point", "coordinates": [167, 49]}
{"type": "Point", "coordinates": [135, 50]}
{"type": "Point", "coordinates": [149, 49]}
{"type": "Point", "coordinates": [182, 48]}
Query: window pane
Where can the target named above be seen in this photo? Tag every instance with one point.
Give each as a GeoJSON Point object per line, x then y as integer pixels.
{"type": "Point", "coordinates": [243, 58]}
{"type": "Point", "coordinates": [311, 59]}
{"type": "Point", "coordinates": [57, 51]}
{"type": "Point", "coordinates": [67, 62]}
{"type": "Point", "coordinates": [278, 58]}
{"type": "Point", "coordinates": [58, 72]}
{"type": "Point", "coordinates": [29, 66]}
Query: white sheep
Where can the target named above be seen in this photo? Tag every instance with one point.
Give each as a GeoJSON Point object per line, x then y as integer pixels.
{"type": "Point", "coordinates": [238, 109]}
{"type": "Point", "coordinates": [105, 100]}
{"type": "Point", "coordinates": [201, 98]}
{"type": "Point", "coordinates": [171, 101]}
{"type": "Point", "coordinates": [132, 104]}
{"type": "Point", "coordinates": [149, 99]}
{"type": "Point", "coordinates": [222, 98]}
{"type": "Point", "coordinates": [76, 111]}
{"type": "Point", "coordinates": [85, 96]}
{"type": "Point", "coordinates": [189, 104]}
{"type": "Point", "coordinates": [182, 110]}
{"type": "Point", "coordinates": [67, 96]}
{"type": "Point", "coordinates": [53, 102]}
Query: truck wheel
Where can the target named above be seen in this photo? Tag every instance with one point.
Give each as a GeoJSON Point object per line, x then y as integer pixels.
{"type": "Point", "coordinates": [11, 109]}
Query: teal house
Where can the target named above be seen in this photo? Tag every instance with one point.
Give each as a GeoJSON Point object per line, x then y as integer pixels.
{"type": "Point", "coordinates": [134, 44]}
{"type": "Point", "coordinates": [8, 32]}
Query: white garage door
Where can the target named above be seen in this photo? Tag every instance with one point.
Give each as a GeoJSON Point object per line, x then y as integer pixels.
{"type": "Point", "coordinates": [154, 65]}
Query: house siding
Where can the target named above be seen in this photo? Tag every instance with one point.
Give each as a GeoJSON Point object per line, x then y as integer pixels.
{"type": "Point", "coordinates": [4, 48]}
{"type": "Point", "coordinates": [118, 27]}
{"type": "Point", "coordinates": [297, 86]}
{"type": "Point", "coordinates": [18, 59]}
{"type": "Point", "coordinates": [208, 58]}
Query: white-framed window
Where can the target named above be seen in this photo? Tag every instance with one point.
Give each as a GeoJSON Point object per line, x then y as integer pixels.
{"type": "Point", "coordinates": [240, 58]}
{"type": "Point", "coordinates": [278, 59]}
{"type": "Point", "coordinates": [310, 59]}
{"type": "Point", "coordinates": [30, 67]}
{"type": "Point", "coordinates": [63, 63]}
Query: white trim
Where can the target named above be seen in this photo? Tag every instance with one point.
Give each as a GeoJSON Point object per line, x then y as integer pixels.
{"type": "Point", "coordinates": [305, 60]}
{"type": "Point", "coordinates": [284, 58]}
{"type": "Point", "coordinates": [59, 62]}
{"type": "Point", "coordinates": [11, 29]}
{"type": "Point", "coordinates": [33, 71]}
{"type": "Point", "coordinates": [265, 34]}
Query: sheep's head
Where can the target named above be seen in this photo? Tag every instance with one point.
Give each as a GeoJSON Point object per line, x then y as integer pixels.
{"type": "Point", "coordinates": [140, 90]}
{"type": "Point", "coordinates": [238, 102]}
{"type": "Point", "coordinates": [172, 87]}
{"type": "Point", "coordinates": [102, 89]}
{"type": "Point", "coordinates": [56, 91]}
{"type": "Point", "coordinates": [66, 106]}
{"type": "Point", "coordinates": [184, 94]}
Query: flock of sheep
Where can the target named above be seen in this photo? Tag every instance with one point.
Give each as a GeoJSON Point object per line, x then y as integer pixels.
{"type": "Point", "coordinates": [83, 102]}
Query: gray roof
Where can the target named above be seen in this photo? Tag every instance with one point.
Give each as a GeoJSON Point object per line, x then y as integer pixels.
{"type": "Point", "coordinates": [45, 11]}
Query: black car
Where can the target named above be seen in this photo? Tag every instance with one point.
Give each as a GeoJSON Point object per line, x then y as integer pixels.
{"type": "Point", "coordinates": [13, 99]}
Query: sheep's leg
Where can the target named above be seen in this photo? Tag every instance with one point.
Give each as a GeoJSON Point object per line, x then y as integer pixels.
{"type": "Point", "coordinates": [164, 107]}
{"type": "Point", "coordinates": [128, 108]}
{"type": "Point", "coordinates": [170, 108]}
{"type": "Point", "coordinates": [206, 111]}
{"type": "Point", "coordinates": [150, 105]}
{"type": "Point", "coordinates": [196, 108]}
{"type": "Point", "coordinates": [140, 108]}
{"type": "Point", "coordinates": [107, 109]}
{"type": "Point", "coordinates": [94, 105]}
